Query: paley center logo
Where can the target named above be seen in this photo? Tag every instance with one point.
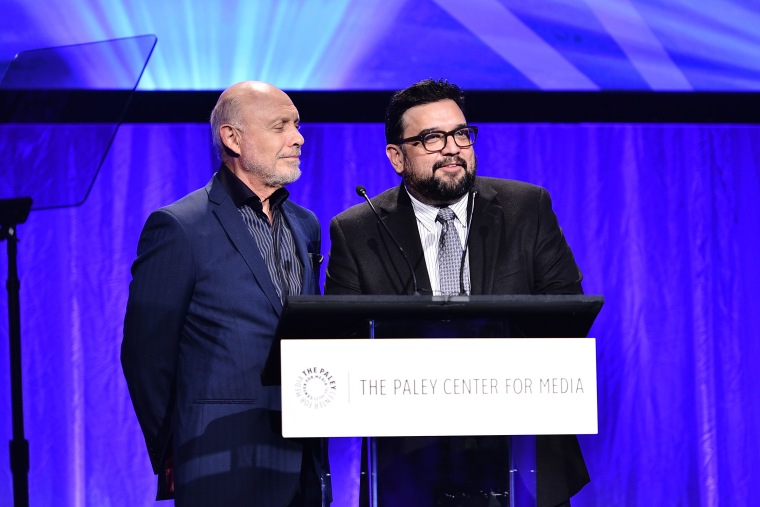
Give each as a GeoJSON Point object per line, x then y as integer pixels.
{"type": "Point", "coordinates": [315, 387]}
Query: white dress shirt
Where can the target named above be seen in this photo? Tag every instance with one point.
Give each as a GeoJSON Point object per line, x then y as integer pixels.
{"type": "Point", "coordinates": [430, 235]}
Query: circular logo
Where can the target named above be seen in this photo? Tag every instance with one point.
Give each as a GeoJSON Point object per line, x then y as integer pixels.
{"type": "Point", "coordinates": [315, 387]}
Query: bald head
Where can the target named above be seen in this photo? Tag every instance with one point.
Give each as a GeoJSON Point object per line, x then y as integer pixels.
{"type": "Point", "coordinates": [230, 107]}
{"type": "Point", "coordinates": [256, 132]}
{"type": "Point", "coordinates": [253, 90]}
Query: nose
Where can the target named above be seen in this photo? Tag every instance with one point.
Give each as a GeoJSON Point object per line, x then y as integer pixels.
{"type": "Point", "coordinates": [297, 139]}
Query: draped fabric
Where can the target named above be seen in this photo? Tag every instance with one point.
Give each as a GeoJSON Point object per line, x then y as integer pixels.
{"type": "Point", "coordinates": [663, 221]}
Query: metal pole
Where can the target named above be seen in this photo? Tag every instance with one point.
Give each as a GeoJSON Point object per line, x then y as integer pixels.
{"type": "Point", "coordinates": [19, 446]}
{"type": "Point", "coordinates": [12, 213]}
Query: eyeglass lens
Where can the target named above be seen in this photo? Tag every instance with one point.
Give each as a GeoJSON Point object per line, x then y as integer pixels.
{"type": "Point", "coordinates": [436, 141]}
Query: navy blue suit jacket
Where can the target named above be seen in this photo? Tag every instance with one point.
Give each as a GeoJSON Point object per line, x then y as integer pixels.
{"type": "Point", "coordinates": [200, 320]}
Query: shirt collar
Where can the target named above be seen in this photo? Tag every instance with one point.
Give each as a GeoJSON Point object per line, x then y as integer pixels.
{"type": "Point", "coordinates": [242, 195]}
{"type": "Point", "coordinates": [426, 213]}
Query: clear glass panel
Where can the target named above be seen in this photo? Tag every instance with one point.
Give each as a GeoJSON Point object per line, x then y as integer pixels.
{"type": "Point", "coordinates": [52, 151]}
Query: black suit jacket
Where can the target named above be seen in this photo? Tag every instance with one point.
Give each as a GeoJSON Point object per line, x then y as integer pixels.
{"type": "Point", "coordinates": [516, 247]}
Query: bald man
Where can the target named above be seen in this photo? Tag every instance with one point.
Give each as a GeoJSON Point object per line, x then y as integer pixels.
{"type": "Point", "coordinates": [212, 272]}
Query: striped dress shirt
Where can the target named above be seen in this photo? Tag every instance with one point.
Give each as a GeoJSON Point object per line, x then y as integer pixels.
{"type": "Point", "coordinates": [275, 240]}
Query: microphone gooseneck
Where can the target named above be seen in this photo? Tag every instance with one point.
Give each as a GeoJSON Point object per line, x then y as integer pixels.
{"type": "Point", "coordinates": [462, 291]}
{"type": "Point", "coordinates": [362, 192]}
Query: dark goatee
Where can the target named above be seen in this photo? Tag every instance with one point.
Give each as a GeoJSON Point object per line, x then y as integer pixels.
{"type": "Point", "coordinates": [442, 189]}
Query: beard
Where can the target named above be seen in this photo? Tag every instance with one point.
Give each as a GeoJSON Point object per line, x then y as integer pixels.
{"type": "Point", "coordinates": [441, 189]}
{"type": "Point", "coordinates": [270, 176]}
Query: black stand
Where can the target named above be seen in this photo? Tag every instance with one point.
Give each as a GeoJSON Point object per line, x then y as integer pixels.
{"type": "Point", "coordinates": [37, 92]}
{"type": "Point", "coordinates": [12, 213]}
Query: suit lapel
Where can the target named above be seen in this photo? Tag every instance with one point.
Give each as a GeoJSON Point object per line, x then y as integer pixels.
{"type": "Point", "coordinates": [230, 219]}
{"type": "Point", "coordinates": [485, 235]}
{"type": "Point", "coordinates": [398, 215]}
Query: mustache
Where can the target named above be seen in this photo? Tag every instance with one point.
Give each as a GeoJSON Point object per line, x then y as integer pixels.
{"type": "Point", "coordinates": [296, 153]}
{"type": "Point", "coordinates": [450, 160]}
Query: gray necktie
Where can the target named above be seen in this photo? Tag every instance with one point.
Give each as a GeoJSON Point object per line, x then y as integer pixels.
{"type": "Point", "coordinates": [449, 253]}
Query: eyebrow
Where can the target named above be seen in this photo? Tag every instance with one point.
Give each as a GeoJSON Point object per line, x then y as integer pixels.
{"type": "Point", "coordinates": [286, 119]}
{"type": "Point", "coordinates": [437, 129]}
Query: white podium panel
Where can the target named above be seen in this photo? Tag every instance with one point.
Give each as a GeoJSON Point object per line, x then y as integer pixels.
{"type": "Point", "coordinates": [438, 387]}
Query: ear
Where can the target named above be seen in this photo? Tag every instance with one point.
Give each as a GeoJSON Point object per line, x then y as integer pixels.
{"type": "Point", "coordinates": [231, 139]}
{"type": "Point", "coordinates": [396, 156]}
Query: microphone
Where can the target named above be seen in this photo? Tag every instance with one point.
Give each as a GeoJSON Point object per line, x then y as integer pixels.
{"type": "Point", "coordinates": [362, 192]}
{"type": "Point", "coordinates": [463, 292]}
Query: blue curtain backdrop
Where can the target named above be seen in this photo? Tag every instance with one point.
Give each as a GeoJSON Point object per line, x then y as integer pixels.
{"type": "Point", "coordinates": [662, 218]}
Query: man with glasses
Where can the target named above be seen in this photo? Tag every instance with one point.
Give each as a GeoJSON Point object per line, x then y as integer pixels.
{"type": "Point", "coordinates": [515, 246]}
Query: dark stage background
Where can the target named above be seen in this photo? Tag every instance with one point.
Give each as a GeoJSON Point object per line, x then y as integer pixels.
{"type": "Point", "coordinates": [662, 219]}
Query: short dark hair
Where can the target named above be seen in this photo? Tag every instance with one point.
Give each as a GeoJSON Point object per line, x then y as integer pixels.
{"type": "Point", "coordinates": [422, 92]}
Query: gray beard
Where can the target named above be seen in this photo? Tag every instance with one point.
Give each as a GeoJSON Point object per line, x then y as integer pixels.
{"type": "Point", "coordinates": [272, 179]}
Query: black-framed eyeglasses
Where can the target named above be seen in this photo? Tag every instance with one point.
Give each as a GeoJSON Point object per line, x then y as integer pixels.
{"type": "Point", "coordinates": [436, 140]}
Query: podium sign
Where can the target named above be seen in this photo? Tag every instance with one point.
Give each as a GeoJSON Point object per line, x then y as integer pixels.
{"type": "Point", "coordinates": [438, 387]}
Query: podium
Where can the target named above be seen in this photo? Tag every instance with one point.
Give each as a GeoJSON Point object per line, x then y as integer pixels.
{"type": "Point", "coordinates": [465, 458]}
